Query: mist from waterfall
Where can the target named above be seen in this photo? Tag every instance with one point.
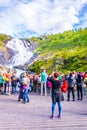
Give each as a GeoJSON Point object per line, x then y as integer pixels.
{"type": "Point", "coordinates": [22, 52]}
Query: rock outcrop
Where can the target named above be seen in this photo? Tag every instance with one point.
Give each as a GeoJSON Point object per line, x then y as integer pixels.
{"type": "Point", "coordinates": [5, 55]}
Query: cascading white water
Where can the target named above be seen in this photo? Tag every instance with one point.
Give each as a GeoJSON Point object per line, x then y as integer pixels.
{"type": "Point", "coordinates": [22, 52]}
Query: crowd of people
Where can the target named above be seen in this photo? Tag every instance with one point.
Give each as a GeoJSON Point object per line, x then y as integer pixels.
{"type": "Point", "coordinates": [44, 84]}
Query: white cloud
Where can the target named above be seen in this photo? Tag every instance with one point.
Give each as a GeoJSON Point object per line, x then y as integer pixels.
{"type": "Point", "coordinates": [4, 2]}
{"type": "Point", "coordinates": [18, 16]}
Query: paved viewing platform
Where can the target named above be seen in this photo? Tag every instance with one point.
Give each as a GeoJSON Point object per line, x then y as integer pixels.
{"type": "Point", "coordinates": [35, 115]}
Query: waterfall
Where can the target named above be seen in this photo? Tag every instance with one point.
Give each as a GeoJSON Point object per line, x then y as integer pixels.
{"type": "Point", "coordinates": [22, 51]}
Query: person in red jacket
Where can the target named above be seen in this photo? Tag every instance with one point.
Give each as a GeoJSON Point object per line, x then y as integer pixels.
{"type": "Point", "coordinates": [64, 86]}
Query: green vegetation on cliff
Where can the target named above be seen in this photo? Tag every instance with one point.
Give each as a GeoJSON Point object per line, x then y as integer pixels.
{"type": "Point", "coordinates": [63, 52]}
{"type": "Point", "coordinates": [3, 38]}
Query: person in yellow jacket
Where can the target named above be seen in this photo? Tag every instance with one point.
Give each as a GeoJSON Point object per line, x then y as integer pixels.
{"type": "Point", "coordinates": [8, 83]}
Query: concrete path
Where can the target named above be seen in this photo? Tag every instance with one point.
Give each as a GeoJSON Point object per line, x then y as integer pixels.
{"type": "Point", "coordinates": [35, 115]}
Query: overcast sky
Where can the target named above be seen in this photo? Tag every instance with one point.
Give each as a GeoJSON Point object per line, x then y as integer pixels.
{"type": "Point", "coordinates": [26, 18]}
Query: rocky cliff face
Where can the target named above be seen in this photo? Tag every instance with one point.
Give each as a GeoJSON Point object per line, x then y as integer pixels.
{"type": "Point", "coordinates": [6, 55]}
{"type": "Point", "coordinates": [18, 52]}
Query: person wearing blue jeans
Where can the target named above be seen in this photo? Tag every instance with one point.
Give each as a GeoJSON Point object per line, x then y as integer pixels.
{"type": "Point", "coordinates": [56, 93]}
{"type": "Point", "coordinates": [84, 88]}
{"type": "Point", "coordinates": [26, 96]}
{"type": "Point", "coordinates": [6, 84]}
{"type": "Point", "coordinates": [25, 84]}
{"type": "Point", "coordinates": [59, 108]}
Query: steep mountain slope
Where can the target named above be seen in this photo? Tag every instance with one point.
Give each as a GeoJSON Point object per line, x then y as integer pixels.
{"type": "Point", "coordinates": [63, 52]}
{"type": "Point", "coordinates": [5, 53]}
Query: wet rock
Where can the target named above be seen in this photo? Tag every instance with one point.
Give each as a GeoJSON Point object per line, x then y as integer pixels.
{"type": "Point", "coordinates": [6, 55]}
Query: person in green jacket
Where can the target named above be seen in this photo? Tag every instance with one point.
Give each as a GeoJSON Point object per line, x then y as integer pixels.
{"type": "Point", "coordinates": [1, 83]}
{"type": "Point", "coordinates": [43, 83]}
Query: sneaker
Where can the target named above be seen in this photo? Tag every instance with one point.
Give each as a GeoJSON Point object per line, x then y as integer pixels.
{"type": "Point", "coordinates": [52, 117]}
{"type": "Point", "coordinates": [9, 94]}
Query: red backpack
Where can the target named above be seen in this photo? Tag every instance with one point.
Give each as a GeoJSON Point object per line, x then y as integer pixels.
{"type": "Point", "coordinates": [64, 87]}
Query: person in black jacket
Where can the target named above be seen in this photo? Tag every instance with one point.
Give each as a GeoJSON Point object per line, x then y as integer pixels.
{"type": "Point", "coordinates": [14, 81]}
{"type": "Point", "coordinates": [71, 87]}
{"type": "Point", "coordinates": [79, 82]}
{"type": "Point", "coordinates": [56, 93]}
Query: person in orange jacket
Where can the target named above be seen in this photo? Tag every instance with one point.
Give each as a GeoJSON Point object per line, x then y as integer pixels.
{"type": "Point", "coordinates": [8, 82]}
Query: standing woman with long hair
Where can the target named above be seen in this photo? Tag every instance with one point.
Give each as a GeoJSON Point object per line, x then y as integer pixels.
{"type": "Point", "coordinates": [56, 93]}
